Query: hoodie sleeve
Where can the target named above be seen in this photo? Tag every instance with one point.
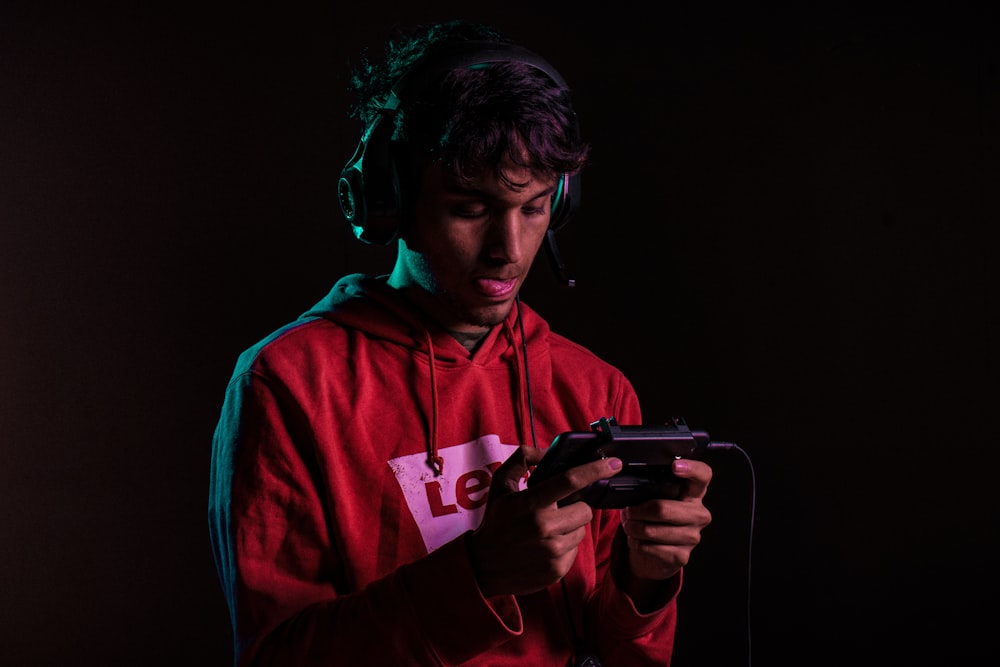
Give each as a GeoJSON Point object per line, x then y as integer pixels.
{"type": "Point", "coordinates": [276, 560]}
{"type": "Point", "coordinates": [624, 635]}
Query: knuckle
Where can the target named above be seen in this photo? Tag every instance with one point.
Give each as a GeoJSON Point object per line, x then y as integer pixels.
{"type": "Point", "coordinates": [577, 477]}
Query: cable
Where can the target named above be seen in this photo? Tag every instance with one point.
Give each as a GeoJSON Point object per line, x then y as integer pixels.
{"type": "Point", "coordinates": [582, 657]}
{"type": "Point", "coordinates": [726, 446]}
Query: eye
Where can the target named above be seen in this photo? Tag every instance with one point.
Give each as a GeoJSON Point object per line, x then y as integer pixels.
{"type": "Point", "coordinates": [469, 212]}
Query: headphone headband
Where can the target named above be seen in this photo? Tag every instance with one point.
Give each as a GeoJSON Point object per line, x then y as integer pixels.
{"type": "Point", "coordinates": [454, 55]}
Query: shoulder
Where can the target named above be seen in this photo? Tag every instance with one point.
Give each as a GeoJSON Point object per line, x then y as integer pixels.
{"type": "Point", "coordinates": [564, 351]}
{"type": "Point", "coordinates": [294, 345]}
{"type": "Point", "coordinates": [569, 353]}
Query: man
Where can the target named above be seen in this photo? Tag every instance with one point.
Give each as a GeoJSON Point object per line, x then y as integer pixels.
{"type": "Point", "coordinates": [368, 500]}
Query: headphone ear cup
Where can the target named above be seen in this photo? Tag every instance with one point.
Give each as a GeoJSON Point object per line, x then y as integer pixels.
{"type": "Point", "coordinates": [368, 191]}
{"type": "Point", "coordinates": [376, 180]}
{"type": "Point", "coordinates": [351, 196]}
{"type": "Point", "coordinates": [566, 202]}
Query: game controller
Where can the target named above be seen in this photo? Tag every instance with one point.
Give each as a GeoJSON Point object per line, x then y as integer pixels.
{"type": "Point", "coordinates": [647, 454]}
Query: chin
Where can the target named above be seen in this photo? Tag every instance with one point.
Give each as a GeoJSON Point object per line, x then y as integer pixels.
{"type": "Point", "coordinates": [489, 316]}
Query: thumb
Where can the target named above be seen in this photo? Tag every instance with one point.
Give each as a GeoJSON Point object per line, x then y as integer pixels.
{"type": "Point", "coordinates": [507, 478]}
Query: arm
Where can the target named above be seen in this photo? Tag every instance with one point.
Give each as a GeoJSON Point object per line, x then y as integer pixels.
{"type": "Point", "coordinates": [292, 599]}
{"type": "Point", "coordinates": [650, 549]}
{"type": "Point", "coordinates": [662, 534]}
{"type": "Point", "coordinates": [526, 542]}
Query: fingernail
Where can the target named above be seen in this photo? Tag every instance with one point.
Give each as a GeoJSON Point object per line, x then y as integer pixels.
{"type": "Point", "coordinates": [615, 464]}
{"type": "Point", "coordinates": [680, 465]}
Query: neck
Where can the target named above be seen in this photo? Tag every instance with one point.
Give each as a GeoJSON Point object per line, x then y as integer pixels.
{"type": "Point", "coordinates": [469, 340]}
{"type": "Point", "coordinates": [433, 310]}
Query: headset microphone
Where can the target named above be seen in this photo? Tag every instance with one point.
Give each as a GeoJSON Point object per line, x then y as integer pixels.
{"type": "Point", "coordinates": [556, 260]}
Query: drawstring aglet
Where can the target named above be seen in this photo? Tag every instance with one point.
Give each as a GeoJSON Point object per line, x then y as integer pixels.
{"type": "Point", "coordinates": [437, 464]}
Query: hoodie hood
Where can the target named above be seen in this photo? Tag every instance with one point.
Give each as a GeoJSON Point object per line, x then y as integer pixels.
{"type": "Point", "coordinates": [367, 303]}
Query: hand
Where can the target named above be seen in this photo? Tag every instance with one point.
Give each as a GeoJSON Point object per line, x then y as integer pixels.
{"type": "Point", "coordinates": [526, 541]}
{"type": "Point", "coordinates": [662, 533]}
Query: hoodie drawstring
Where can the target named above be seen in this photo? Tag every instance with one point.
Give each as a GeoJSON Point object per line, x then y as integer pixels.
{"type": "Point", "coordinates": [525, 413]}
{"type": "Point", "coordinates": [435, 461]}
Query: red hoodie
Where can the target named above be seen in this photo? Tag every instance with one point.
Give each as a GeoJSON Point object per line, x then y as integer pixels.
{"type": "Point", "coordinates": [335, 541]}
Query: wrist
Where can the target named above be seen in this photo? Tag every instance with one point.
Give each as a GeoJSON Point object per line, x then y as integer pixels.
{"type": "Point", "coordinates": [647, 594]}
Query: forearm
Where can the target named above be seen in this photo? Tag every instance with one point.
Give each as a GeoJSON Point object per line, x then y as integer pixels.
{"type": "Point", "coordinates": [648, 595]}
{"type": "Point", "coordinates": [426, 612]}
{"type": "Point", "coordinates": [634, 620]}
{"type": "Point", "coordinates": [302, 582]}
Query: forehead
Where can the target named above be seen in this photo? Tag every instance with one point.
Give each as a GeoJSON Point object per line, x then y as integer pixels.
{"type": "Point", "coordinates": [505, 179]}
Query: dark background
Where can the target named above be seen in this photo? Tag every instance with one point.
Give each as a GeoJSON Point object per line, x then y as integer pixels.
{"type": "Point", "coordinates": [784, 239]}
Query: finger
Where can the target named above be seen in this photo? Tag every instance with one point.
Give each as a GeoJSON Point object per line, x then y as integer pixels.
{"type": "Point", "coordinates": [656, 561]}
{"type": "Point", "coordinates": [558, 487]}
{"type": "Point", "coordinates": [507, 477]}
{"type": "Point", "coordinates": [532, 455]}
{"type": "Point", "coordinates": [698, 475]}
{"type": "Point", "coordinates": [654, 514]}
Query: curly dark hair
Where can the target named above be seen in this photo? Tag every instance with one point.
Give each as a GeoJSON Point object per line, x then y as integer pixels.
{"type": "Point", "coordinates": [471, 118]}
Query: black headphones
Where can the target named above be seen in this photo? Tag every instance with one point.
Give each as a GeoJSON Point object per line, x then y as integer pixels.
{"type": "Point", "coordinates": [369, 187]}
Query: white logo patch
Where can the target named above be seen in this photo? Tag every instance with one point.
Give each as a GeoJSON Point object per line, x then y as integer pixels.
{"type": "Point", "coordinates": [444, 507]}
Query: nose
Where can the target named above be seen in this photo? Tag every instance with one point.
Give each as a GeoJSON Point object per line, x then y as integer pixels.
{"type": "Point", "coordinates": [504, 240]}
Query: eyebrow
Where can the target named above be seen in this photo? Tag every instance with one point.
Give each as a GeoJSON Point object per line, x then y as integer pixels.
{"type": "Point", "coordinates": [450, 187]}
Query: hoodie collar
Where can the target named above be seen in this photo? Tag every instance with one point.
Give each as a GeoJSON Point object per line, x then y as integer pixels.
{"type": "Point", "coordinates": [367, 303]}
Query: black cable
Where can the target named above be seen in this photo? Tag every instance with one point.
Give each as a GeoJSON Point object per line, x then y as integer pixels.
{"type": "Point", "coordinates": [581, 656]}
{"type": "Point", "coordinates": [715, 446]}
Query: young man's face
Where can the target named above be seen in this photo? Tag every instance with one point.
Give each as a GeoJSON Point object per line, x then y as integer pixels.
{"type": "Point", "coordinates": [469, 248]}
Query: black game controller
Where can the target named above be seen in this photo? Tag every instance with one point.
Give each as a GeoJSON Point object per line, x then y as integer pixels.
{"type": "Point", "coordinates": [647, 452]}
